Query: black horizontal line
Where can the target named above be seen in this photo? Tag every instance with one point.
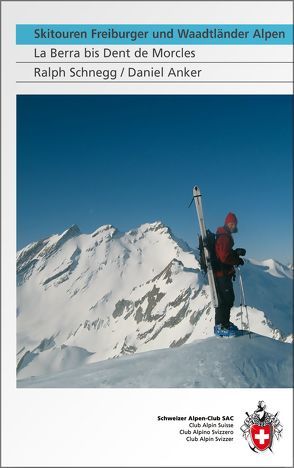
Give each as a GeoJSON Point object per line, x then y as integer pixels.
{"type": "Point", "coordinates": [186, 62]}
{"type": "Point", "coordinates": [171, 82]}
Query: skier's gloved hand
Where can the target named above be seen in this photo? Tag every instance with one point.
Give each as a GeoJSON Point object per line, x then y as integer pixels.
{"type": "Point", "coordinates": [240, 261]}
{"type": "Point", "coordinates": [240, 252]}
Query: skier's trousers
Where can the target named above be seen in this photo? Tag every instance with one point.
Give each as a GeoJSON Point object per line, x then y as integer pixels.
{"type": "Point", "coordinates": [226, 297]}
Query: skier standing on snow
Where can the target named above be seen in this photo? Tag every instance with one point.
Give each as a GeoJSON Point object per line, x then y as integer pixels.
{"type": "Point", "coordinates": [224, 273]}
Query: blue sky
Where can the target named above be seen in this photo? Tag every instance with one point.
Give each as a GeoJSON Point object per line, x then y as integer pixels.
{"type": "Point", "coordinates": [126, 160]}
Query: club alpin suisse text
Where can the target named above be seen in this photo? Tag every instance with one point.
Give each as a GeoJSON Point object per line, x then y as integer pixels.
{"type": "Point", "coordinates": [178, 33]}
{"type": "Point", "coordinates": [205, 431]}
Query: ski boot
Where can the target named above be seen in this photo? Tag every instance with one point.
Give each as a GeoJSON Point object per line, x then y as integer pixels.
{"type": "Point", "coordinates": [230, 332]}
{"type": "Point", "coordinates": [233, 326]}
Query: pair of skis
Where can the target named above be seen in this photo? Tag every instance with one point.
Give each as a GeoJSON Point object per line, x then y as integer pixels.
{"type": "Point", "coordinates": [210, 276]}
{"type": "Point", "coordinates": [211, 282]}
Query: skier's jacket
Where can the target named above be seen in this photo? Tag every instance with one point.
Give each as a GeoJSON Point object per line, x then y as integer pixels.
{"type": "Point", "coordinates": [225, 254]}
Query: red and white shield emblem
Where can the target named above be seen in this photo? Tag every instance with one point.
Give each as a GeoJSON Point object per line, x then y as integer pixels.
{"type": "Point", "coordinates": [261, 436]}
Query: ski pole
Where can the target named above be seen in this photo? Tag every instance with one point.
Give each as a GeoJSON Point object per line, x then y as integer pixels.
{"type": "Point", "coordinates": [241, 308]}
{"type": "Point", "coordinates": [244, 300]}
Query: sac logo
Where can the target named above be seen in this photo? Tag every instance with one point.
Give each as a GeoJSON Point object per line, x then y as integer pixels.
{"type": "Point", "coordinates": [260, 427]}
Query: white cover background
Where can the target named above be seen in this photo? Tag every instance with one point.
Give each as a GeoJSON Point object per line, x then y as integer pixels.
{"type": "Point", "coordinates": [108, 427]}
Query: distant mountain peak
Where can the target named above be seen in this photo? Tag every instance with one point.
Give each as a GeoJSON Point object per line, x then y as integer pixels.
{"type": "Point", "coordinates": [73, 230]}
{"type": "Point", "coordinates": [154, 226]}
{"type": "Point", "coordinates": [106, 229]}
{"type": "Point", "coordinates": [274, 267]}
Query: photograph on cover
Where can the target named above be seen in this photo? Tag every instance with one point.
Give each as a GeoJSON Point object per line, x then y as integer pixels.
{"type": "Point", "coordinates": [119, 281]}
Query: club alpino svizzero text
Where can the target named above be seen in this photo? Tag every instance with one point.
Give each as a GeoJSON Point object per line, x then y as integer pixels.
{"type": "Point", "coordinates": [145, 35]}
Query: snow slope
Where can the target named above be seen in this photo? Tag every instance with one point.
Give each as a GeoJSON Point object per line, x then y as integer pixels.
{"type": "Point", "coordinates": [213, 362]}
{"type": "Point", "coordinates": [84, 298]}
{"type": "Point", "coordinates": [270, 288]}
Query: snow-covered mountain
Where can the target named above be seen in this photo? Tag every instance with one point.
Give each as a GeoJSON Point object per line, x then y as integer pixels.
{"type": "Point", "coordinates": [84, 298]}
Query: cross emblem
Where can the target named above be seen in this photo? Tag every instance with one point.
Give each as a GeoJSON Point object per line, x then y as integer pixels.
{"type": "Point", "coordinates": [262, 436]}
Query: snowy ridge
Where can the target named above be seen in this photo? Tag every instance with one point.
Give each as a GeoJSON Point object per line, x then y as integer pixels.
{"type": "Point", "coordinates": [275, 268]}
{"type": "Point", "coordinates": [84, 298]}
{"type": "Point", "coordinates": [214, 362]}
